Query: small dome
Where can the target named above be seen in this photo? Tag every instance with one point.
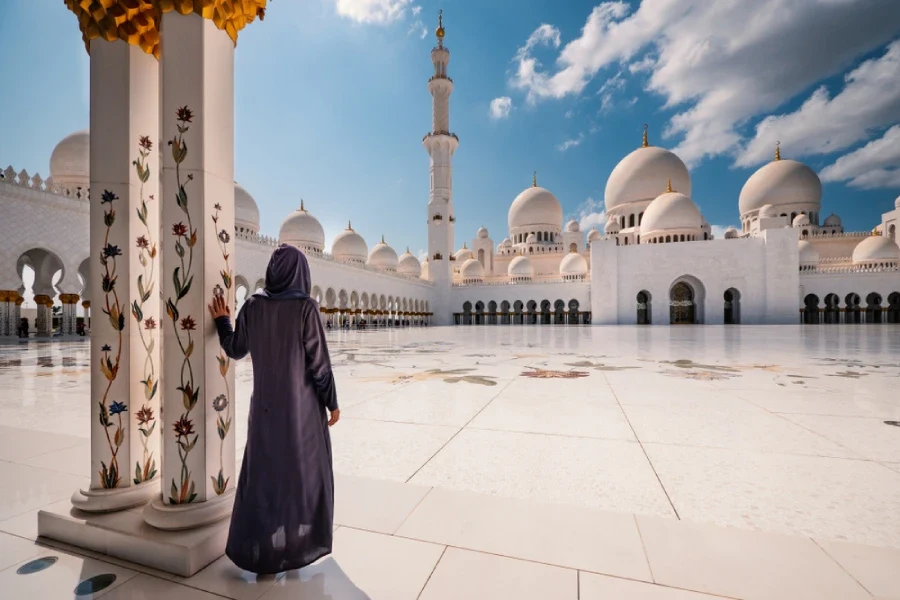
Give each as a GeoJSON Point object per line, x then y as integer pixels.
{"type": "Point", "coordinates": [246, 213]}
{"type": "Point", "coordinates": [520, 266]}
{"type": "Point", "coordinates": [593, 234]}
{"type": "Point", "coordinates": [301, 229]}
{"type": "Point", "coordinates": [612, 226]}
{"type": "Point", "coordinates": [409, 265]}
{"type": "Point", "coordinates": [876, 249]}
{"type": "Point", "coordinates": [781, 183]}
{"type": "Point", "coordinates": [809, 256]}
{"type": "Point", "coordinates": [767, 210]}
{"type": "Point", "coordinates": [572, 226]}
{"type": "Point", "coordinates": [506, 243]}
{"type": "Point", "coordinates": [531, 239]}
{"type": "Point", "coordinates": [897, 203]}
{"type": "Point", "coordinates": [642, 175]}
{"type": "Point", "coordinates": [349, 245]}
{"type": "Point", "coordinates": [383, 256]}
{"type": "Point", "coordinates": [573, 264]}
{"type": "Point", "coordinates": [731, 233]}
{"type": "Point", "coordinates": [671, 211]}
{"type": "Point", "coordinates": [70, 162]}
{"type": "Point", "coordinates": [801, 220]}
{"type": "Point", "coordinates": [832, 220]}
{"type": "Point", "coordinates": [535, 206]}
{"type": "Point", "coordinates": [463, 254]}
{"type": "Point", "coordinates": [472, 269]}
{"type": "Point", "coordinates": [482, 233]}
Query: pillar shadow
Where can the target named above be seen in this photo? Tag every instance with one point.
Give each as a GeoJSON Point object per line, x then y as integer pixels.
{"type": "Point", "coordinates": [324, 580]}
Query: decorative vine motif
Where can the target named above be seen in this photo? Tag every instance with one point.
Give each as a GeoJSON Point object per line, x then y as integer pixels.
{"type": "Point", "coordinates": [222, 402]}
{"type": "Point", "coordinates": [112, 308]}
{"type": "Point", "coordinates": [182, 278]}
{"type": "Point", "coordinates": [145, 284]}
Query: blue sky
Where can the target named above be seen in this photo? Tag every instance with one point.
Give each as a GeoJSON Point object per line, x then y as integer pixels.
{"type": "Point", "coordinates": [331, 102]}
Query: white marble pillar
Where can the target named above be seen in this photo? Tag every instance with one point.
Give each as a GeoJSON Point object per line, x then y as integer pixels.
{"type": "Point", "coordinates": [197, 74]}
{"type": "Point", "coordinates": [16, 314]}
{"type": "Point", "coordinates": [69, 304]}
{"type": "Point", "coordinates": [86, 305]}
{"type": "Point", "coordinates": [43, 321]}
{"type": "Point", "coordinates": [124, 278]}
{"type": "Point", "coordinates": [7, 302]}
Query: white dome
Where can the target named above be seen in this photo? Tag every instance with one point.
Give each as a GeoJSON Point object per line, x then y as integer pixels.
{"type": "Point", "coordinates": [349, 245]}
{"type": "Point", "coordinates": [832, 220]}
{"type": "Point", "coordinates": [302, 229]}
{"type": "Point", "coordinates": [671, 211]}
{"type": "Point", "coordinates": [463, 254]}
{"type": "Point", "coordinates": [572, 226]}
{"type": "Point", "coordinates": [800, 220]}
{"type": "Point", "coordinates": [876, 249]}
{"type": "Point", "coordinates": [383, 256]}
{"type": "Point", "coordinates": [531, 239]}
{"type": "Point", "coordinates": [506, 243]}
{"type": "Point", "coordinates": [594, 235]}
{"type": "Point", "coordinates": [767, 210]}
{"type": "Point", "coordinates": [809, 256]}
{"type": "Point", "coordinates": [520, 266]}
{"type": "Point", "coordinates": [781, 183]}
{"type": "Point", "coordinates": [482, 233]}
{"type": "Point", "coordinates": [409, 265]}
{"type": "Point", "coordinates": [535, 206]}
{"type": "Point", "coordinates": [70, 162]}
{"type": "Point", "coordinates": [472, 269]}
{"type": "Point", "coordinates": [612, 226]}
{"type": "Point", "coordinates": [246, 213]}
{"type": "Point", "coordinates": [731, 233]}
{"type": "Point", "coordinates": [573, 264]}
{"type": "Point", "coordinates": [897, 203]}
{"type": "Point", "coordinates": [642, 176]}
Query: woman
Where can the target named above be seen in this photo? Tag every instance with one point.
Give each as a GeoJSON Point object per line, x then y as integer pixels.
{"type": "Point", "coordinates": [284, 504]}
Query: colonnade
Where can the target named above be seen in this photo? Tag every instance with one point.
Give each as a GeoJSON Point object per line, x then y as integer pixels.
{"type": "Point", "coordinates": [339, 317]}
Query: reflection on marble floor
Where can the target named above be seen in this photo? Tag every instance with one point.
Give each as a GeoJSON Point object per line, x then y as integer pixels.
{"type": "Point", "coordinates": [784, 429]}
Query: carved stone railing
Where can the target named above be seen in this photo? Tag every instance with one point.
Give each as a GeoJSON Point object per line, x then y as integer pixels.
{"type": "Point", "coordinates": [850, 269]}
{"type": "Point", "coordinates": [539, 280]}
{"type": "Point", "coordinates": [36, 182]}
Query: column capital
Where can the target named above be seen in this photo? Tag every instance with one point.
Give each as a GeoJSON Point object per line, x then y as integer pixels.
{"type": "Point", "coordinates": [137, 22]}
{"type": "Point", "coordinates": [6, 295]}
{"type": "Point", "coordinates": [19, 301]}
{"type": "Point", "coordinates": [43, 300]}
{"type": "Point", "coordinates": [86, 304]}
{"type": "Point", "coordinates": [69, 298]}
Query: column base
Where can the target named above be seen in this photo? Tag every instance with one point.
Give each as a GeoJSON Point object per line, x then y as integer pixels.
{"type": "Point", "coordinates": [102, 501]}
{"type": "Point", "coordinates": [175, 517]}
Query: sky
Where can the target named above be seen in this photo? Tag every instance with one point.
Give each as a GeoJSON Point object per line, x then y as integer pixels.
{"type": "Point", "coordinates": [331, 102]}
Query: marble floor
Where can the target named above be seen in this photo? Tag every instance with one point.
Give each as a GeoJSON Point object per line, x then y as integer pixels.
{"type": "Point", "coordinates": [778, 446]}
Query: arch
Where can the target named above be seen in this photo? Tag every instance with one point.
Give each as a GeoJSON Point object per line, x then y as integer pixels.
{"type": "Point", "coordinates": [241, 292]}
{"type": "Point", "coordinates": [343, 299]}
{"type": "Point", "coordinates": [892, 232]}
{"type": "Point", "coordinates": [354, 300]}
{"type": "Point", "coordinates": [260, 285]}
{"type": "Point", "coordinates": [492, 313]}
{"type": "Point", "coordinates": [893, 310]}
{"type": "Point", "coordinates": [873, 308]}
{"type": "Point", "coordinates": [832, 313]}
{"type": "Point", "coordinates": [811, 310]}
{"type": "Point", "coordinates": [330, 298]}
{"type": "Point", "coordinates": [481, 257]}
{"type": "Point", "coordinates": [479, 313]}
{"type": "Point", "coordinates": [732, 299]}
{"type": "Point", "coordinates": [686, 301]}
{"type": "Point", "coordinates": [532, 317]}
{"type": "Point", "coordinates": [668, 238]}
{"type": "Point", "coordinates": [852, 312]}
{"type": "Point", "coordinates": [631, 220]}
{"type": "Point", "coordinates": [573, 247]}
{"type": "Point", "coordinates": [545, 312]}
{"type": "Point", "coordinates": [574, 312]}
{"type": "Point", "coordinates": [644, 308]}
{"type": "Point", "coordinates": [559, 312]}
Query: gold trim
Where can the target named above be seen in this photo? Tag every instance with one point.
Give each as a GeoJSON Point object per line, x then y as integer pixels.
{"type": "Point", "coordinates": [43, 300]}
{"type": "Point", "coordinates": [644, 142]}
{"type": "Point", "coordinates": [69, 298]}
{"type": "Point", "coordinates": [86, 304]}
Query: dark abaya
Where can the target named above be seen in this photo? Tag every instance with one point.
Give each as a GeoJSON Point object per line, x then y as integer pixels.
{"type": "Point", "coordinates": [284, 505]}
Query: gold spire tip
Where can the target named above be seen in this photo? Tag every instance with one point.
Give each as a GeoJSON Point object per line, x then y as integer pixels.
{"type": "Point", "coordinates": [777, 150]}
{"type": "Point", "coordinates": [645, 142]}
{"type": "Point", "coordinates": [669, 186]}
{"type": "Point", "coordinates": [348, 226]}
{"type": "Point", "coordinates": [301, 204]}
{"type": "Point", "coordinates": [382, 238]}
{"type": "Point", "coordinates": [439, 32]}
{"type": "Point", "coordinates": [534, 179]}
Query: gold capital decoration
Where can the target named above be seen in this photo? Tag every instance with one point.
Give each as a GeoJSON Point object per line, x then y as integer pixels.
{"type": "Point", "coordinates": [4, 295]}
{"type": "Point", "coordinates": [19, 301]}
{"type": "Point", "coordinates": [137, 22]}
{"type": "Point", "coordinates": [69, 298]}
{"type": "Point", "coordinates": [86, 304]}
{"type": "Point", "coordinates": [43, 300]}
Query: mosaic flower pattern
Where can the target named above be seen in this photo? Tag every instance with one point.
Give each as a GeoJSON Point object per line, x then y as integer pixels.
{"type": "Point", "coordinates": [221, 404]}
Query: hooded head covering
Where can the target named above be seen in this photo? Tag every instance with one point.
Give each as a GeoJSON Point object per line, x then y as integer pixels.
{"type": "Point", "coordinates": [287, 276]}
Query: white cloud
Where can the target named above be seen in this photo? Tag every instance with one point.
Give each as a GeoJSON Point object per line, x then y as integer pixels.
{"type": "Point", "coordinates": [422, 255]}
{"type": "Point", "coordinates": [501, 107]}
{"type": "Point", "coordinates": [869, 101]}
{"type": "Point", "coordinates": [373, 11]}
{"type": "Point", "coordinates": [875, 165]}
{"type": "Point", "coordinates": [718, 231]}
{"type": "Point", "coordinates": [570, 143]}
{"type": "Point", "coordinates": [645, 64]}
{"type": "Point", "coordinates": [590, 213]}
{"type": "Point", "coordinates": [721, 62]}
{"type": "Point", "coordinates": [608, 90]}
{"type": "Point", "coordinates": [416, 10]}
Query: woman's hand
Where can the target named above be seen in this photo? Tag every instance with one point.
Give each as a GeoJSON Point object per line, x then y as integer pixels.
{"type": "Point", "coordinates": [218, 308]}
{"type": "Point", "coordinates": [335, 417]}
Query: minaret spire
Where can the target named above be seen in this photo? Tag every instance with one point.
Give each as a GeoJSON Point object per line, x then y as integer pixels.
{"type": "Point", "coordinates": [534, 179]}
{"type": "Point", "coordinates": [301, 205]}
{"type": "Point", "coordinates": [777, 150]}
{"type": "Point", "coordinates": [669, 186]}
{"type": "Point", "coordinates": [439, 32]}
{"type": "Point", "coordinates": [645, 142]}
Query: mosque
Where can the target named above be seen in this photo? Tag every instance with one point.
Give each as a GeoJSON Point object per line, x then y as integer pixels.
{"type": "Point", "coordinates": [655, 262]}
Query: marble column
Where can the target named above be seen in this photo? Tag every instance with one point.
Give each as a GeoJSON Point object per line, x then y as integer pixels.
{"type": "Point", "coordinates": [86, 305]}
{"type": "Point", "coordinates": [16, 314]}
{"type": "Point", "coordinates": [124, 278]}
{"type": "Point", "coordinates": [69, 304]}
{"type": "Point", "coordinates": [7, 302]}
{"type": "Point", "coordinates": [43, 321]}
{"type": "Point", "coordinates": [197, 75]}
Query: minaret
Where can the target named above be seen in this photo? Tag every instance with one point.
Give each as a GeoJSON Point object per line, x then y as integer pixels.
{"type": "Point", "coordinates": [441, 144]}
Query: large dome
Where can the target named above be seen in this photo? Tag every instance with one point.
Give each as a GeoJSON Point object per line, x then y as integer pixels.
{"type": "Point", "coordinates": [349, 245]}
{"type": "Point", "coordinates": [642, 175]}
{"type": "Point", "coordinates": [472, 269]}
{"type": "Point", "coordinates": [520, 266]}
{"type": "Point", "coordinates": [671, 211]}
{"type": "Point", "coordinates": [409, 265]}
{"type": "Point", "coordinates": [383, 256]}
{"type": "Point", "coordinates": [246, 213]}
{"type": "Point", "coordinates": [535, 206]}
{"type": "Point", "coordinates": [875, 250]}
{"type": "Point", "coordinates": [781, 183]}
{"type": "Point", "coordinates": [573, 264]}
{"type": "Point", "coordinates": [70, 162]}
{"type": "Point", "coordinates": [463, 254]}
{"type": "Point", "coordinates": [303, 230]}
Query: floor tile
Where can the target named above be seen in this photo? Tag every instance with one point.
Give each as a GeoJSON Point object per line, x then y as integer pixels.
{"type": "Point", "coordinates": [374, 505]}
{"type": "Point", "coordinates": [23, 525]}
{"type": "Point", "coordinates": [602, 587]}
{"type": "Point", "coordinates": [793, 401]}
{"type": "Point", "coordinates": [606, 474]}
{"type": "Point", "coordinates": [75, 460]}
{"type": "Point", "coordinates": [364, 566]}
{"type": "Point", "coordinates": [60, 579]}
{"type": "Point", "coordinates": [802, 495]}
{"type": "Point", "coordinates": [479, 576]}
{"type": "Point", "coordinates": [14, 550]}
{"type": "Point", "coordinates": [574, 537]}
{"type": "Point", "coordinates": [18, 444]}
{"type": "Point", "coordinates": [223, 577]}
{"type": "Point", "coordinates": [869, 437]}
{"type": "Point", "coordinates": [877, 569]}
{"type": "Point", "coordinates": [751, 565]}
{"type": "Point", "coordinates": [146, 587]}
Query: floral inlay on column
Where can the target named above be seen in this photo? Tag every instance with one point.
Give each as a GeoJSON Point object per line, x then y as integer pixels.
{"type": "Point", "coordinates": [222, 402]}
{"type": "Point", "coordinates": [182, 277]}
{"type": "Point", "coordinates": [146, 326]}
{"type": "Point", "coordinates": [109, 473]}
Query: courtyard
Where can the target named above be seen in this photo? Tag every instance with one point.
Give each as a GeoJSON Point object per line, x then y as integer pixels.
{"type": "Point", "coordinates": [791, 433]}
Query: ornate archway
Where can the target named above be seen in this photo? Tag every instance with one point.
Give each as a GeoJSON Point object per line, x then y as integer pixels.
{"type": "Point", "coordinates": [682, 307]}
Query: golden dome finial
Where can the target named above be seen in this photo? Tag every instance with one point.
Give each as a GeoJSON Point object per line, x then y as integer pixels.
{"type": "Point", "coordinates": [439, 32]}
{"type": "Point", "coordinates": [382, 238]}
{"type": "Point", "coordinates": [777, 150]}
{"type": "Point", "coordinates": [348, 226]}
{"type": "Point", "coordinates": [645, 142]}
{"type": "Point", "coordinates": [534, 179]}
{"type": "Point", "coordinates": [876, 231]}
{"type": "Point", "coordinates": [669, 186]}
{"type": "Point", "coordinates": [301, 205]}
{"type": "Point", "coordinates": [464, 246]}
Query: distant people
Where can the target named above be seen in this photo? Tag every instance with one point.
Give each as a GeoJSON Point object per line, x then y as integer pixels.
{"type": "Point", "coordinates": [283, 514]}
{"type": "Point", "coordinates": [23, 327]}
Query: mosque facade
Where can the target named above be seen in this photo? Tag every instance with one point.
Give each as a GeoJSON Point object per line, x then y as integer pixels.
{"type": "Point", "coordinates": [655, 262]}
